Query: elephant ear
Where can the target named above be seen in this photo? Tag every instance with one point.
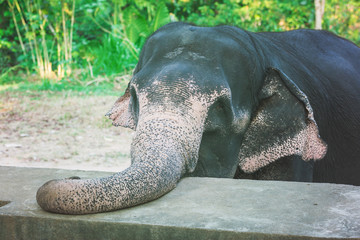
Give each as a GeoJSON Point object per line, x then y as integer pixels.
{"type": "Point", "coordinates": [283, 125]}
{"type": "Point", "coordinates": [120, 113]}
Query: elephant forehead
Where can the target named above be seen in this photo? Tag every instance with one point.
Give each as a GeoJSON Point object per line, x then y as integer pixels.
{"type": "Point", "coordinates": [188, 55]}
{"type": "Point", "coordinates": [184, 98]}
{"type": "Point", "coordinates": [178, 39]}
{"type": "Point", "coordinates": [184, 92]}
{"type": "Point", "coordinates": [174, 85]}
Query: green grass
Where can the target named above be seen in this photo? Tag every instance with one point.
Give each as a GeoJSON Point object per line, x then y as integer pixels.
{"type": "Point", "coordinates": [67, 87]}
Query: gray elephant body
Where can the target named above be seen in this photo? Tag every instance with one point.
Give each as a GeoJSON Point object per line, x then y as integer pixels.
{"type": "Point", "coordinates": [223, 102]}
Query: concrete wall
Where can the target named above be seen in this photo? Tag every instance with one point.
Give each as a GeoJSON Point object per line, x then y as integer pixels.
{"type": "Point", "coordinates": [199, 208]}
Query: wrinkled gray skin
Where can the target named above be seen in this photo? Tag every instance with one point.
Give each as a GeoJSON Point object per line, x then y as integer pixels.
{"type": "Point", "coordinates": [222, 102]}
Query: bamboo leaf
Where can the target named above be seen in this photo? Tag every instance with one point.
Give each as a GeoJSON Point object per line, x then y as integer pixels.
{"type": "Point", "coordinates": [136, 25]}
{"type": "Point", "coordinates": [161, 18]}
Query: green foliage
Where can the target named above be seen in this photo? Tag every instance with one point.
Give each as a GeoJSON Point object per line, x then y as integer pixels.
{"type": "Point", "coordinates": [252, 15]}
{"type": "Point", "coordinates": [343, 19]}
{"type": "Point", "coordinates": [6, 75]}
{"type": "Point", "coordinates": [7, 43]}
{"type": "Point", "coordinates": [44, 30]}
{"type": "Point", "coordinates": [110, 56]}
{"type": "Point", "coordinates": [131, 22]}
{"type": "Point", "coordinates": [109, 34]}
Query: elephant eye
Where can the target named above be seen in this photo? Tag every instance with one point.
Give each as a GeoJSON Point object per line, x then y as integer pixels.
{"type": "Point", "coordinates": [219, 116]}
{"type": "Point", "coordinates": [219, 107]}
{"type": "Point", "coordinates": [222, 104]}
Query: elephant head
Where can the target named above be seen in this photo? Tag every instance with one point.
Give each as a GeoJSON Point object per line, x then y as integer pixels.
{"type": "Point", "coordinates": [201, 104]}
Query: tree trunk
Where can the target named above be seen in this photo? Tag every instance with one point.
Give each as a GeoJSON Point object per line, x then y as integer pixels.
{"type": "Point", "coordinates": [319, 13]}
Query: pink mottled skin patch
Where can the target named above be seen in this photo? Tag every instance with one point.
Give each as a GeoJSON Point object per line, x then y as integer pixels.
{"type": "Point", "coordinates": [283, 125]}
{"type": "Point", "coordinates": [306, 144]}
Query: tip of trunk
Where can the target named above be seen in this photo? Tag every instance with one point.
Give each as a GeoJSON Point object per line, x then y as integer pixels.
{"type": "Point", "coordinates": [54, 196]}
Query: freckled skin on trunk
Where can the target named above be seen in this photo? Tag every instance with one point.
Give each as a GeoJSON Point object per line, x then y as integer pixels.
{"type": "Point", "coordinates": [131, 187]}
{"type": "Point", "coordinates": [154, 171]}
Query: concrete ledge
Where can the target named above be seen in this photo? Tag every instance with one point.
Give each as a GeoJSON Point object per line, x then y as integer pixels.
{"type": "Point", "coordinates": [199, 208]}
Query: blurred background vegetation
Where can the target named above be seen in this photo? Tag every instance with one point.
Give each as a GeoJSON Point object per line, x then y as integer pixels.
{"type": "Point", "coordinates": [95, 44]}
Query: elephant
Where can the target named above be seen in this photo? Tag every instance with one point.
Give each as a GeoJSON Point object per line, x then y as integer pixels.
{"type": "Point", "coordinates": [228, 103]}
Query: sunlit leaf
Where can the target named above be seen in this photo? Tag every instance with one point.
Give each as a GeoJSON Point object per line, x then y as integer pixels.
{"type": "Point", "coordinates": [161, 18]}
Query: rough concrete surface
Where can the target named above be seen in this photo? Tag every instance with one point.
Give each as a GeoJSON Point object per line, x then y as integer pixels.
{"type": "Point", "coordinates": [199, 208]}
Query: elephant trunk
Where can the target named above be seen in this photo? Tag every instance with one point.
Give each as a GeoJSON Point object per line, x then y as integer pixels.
{"type": "Point", "coordinates": [160, 155]}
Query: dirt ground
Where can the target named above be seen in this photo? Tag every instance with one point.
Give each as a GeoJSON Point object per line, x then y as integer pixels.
{"type": "Point", "coordinates": [61, 131]}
